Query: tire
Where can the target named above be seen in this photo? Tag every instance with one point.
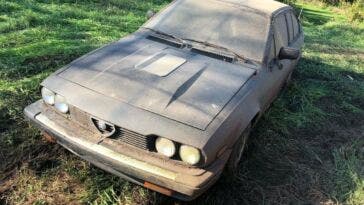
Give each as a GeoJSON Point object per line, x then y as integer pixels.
{"type": "Point", "coordinates": [232, 165]}
{"type": "Point", "coordinates": [288, 81]}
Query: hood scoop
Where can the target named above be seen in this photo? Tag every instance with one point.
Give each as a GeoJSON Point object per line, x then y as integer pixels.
{"type": "Point", "coordinates": [161, 64]}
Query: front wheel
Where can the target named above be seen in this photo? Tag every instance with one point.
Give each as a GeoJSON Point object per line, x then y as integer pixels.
{"type": "Point", "coordinates": [232, 165]}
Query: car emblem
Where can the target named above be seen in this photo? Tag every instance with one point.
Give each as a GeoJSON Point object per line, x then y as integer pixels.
{"type": "Point", "coordinates": [106, 129]}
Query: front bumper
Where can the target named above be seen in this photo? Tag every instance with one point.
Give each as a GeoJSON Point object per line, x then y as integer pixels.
{"type": "Point", "coordinates": [180, 182]}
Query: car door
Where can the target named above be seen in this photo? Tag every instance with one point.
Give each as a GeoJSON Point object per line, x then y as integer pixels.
{"type": "Point", "coordinates": [277, 70]}
{"type": "Point", "coordinates": [296, 37]}
{"type": "Point", "coordinates": [283, 35]}
{"type": "Point", "coordinates": [286, 32]}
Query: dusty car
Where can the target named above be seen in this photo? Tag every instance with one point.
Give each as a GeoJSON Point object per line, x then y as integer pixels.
{"type": "Point", "coordinates": [171, 105]}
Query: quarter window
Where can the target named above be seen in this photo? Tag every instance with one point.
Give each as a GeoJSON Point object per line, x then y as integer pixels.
{"type": "Point", "coordinates": [296, 27]}
{"type": "Point", "coordinates": [290, 26]}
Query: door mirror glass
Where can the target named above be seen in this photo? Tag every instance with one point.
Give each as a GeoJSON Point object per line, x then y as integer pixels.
{"type": "Point", "coordinates": [288, 53]}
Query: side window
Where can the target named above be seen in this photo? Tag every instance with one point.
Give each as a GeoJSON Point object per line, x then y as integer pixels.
{"type": "Point", "coordinates": [290, 26]}
{"type": "Point", "coordinates": [280, 32]}
{"type": "Point", "coordinates": [296, 26]}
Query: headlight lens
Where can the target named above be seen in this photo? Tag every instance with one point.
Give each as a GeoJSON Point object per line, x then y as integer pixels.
{"type": "Point", "coordinates": [61, 104]}
{"type": "Point", "coordinates": [48, 96]}
{"type": "Point", "coordinates": [189, 154]}
{"type": "Point", "coordinates": [165, 146]}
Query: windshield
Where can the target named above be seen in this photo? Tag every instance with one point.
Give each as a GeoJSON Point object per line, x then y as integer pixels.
{"type": "Point", "coordinates": [240, 29]}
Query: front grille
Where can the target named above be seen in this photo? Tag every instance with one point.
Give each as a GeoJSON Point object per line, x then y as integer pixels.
{"type": "Point", "coordinates": [135, 139]}
{"type": "Point", "coordinates": [121, 135]}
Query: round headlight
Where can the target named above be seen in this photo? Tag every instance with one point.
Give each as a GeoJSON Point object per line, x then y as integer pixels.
{"type": "Point", "coordinates": [48, 96]}
{"type": "Point", "coordinates": [165, 146]}
{"type": "Point", "coordinates": [189, 154]}
{"type": "Point", "coordinates": [61, 104]}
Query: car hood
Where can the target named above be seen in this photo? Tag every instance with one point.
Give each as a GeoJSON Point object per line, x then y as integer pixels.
{"type": "Point", "coordinates": [177, 84]}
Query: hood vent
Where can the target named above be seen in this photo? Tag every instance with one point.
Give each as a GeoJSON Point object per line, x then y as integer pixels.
{"type": "Point", "coordinates": [166, 41]}
{"type": "Point", "coordinates": [161, 64]}
{"type": "Point", "coordinates": [212, 54]}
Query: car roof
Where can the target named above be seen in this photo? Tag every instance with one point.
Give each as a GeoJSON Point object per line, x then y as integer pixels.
{"type": "Point", "coordinates": [268, 7]}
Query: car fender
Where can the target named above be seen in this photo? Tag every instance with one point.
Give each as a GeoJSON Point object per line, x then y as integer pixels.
{"type": "Point", "coordinates": [246, 112]}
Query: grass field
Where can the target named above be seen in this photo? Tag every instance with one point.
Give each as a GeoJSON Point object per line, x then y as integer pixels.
{"type": "Point", "coordinates": [308, 149]}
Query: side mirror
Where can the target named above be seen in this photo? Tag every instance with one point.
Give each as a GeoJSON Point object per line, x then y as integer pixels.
{"type": "Point", "coordinates": [289, 53]}
{"type": "Point", "coordinates": [150, 14]}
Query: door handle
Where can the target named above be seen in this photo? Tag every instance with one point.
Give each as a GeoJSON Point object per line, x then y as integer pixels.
{"type": "Point", "coordinates": [275, 63]}
{"type": "Point", "coordinates": [280, 66]}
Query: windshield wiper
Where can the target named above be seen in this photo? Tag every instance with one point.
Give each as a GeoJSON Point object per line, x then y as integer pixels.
{"type": "Point", "coordinates": [182, 42]}
{"type": "Point", "coordinates": [211, 45]}
{"type": "Point", "coordinates": [163, 34]}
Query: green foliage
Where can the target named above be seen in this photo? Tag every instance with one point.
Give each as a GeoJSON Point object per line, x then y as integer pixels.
{"type": "Point", "coordinates": [338, 2]}
{"type": "Point", "coordinates": [289, 2]}
{"type": "Point", "coordinates": [356, 11]}
{"type": "Point", "coordinates": [347, 173]}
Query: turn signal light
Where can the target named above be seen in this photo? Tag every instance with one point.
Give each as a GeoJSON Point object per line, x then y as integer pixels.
{"type": "Point", "coordinates": [159, 189]}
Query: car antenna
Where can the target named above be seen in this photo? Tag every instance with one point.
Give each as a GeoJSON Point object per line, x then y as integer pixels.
{"type": "Point", "coordinates": [299, 16]}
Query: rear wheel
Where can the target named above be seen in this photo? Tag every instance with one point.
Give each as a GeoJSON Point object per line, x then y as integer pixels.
{"type": "Point", "coordinates": [232, 165]}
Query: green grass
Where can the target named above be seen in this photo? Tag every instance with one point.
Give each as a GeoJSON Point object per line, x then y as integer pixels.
{"type": "Point", "coordinates": [308, 148]}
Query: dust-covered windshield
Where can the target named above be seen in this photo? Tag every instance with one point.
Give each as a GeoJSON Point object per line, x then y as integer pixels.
{"type": "Point", "coordinates": [240, 29]}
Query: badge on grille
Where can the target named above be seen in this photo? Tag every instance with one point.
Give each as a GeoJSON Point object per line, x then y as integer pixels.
{"type": "Point", "coordinates": [106, 129]}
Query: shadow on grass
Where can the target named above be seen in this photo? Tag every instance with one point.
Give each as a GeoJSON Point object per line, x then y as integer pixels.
{"type": "Point", "coordinates": [309, 164]}
{"type": "Point", "coordinates": [315, 17]}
